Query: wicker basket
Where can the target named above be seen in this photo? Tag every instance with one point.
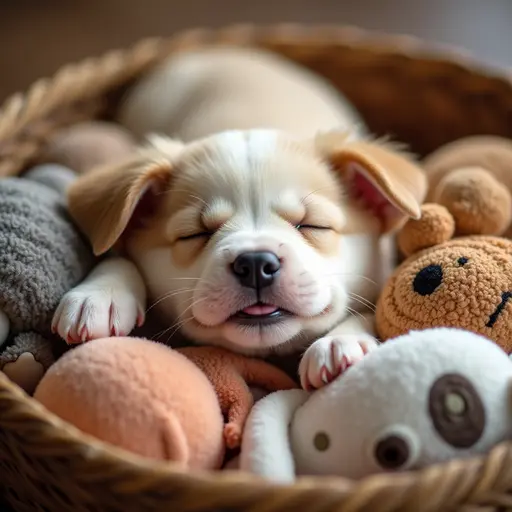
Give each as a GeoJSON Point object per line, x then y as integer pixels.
{"type": "Point", "coordinates": [419, 97]}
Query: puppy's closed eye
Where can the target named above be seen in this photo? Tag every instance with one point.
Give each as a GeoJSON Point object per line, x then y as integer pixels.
{"type": "Point", "coordinates": [195, 236]}
{"type": "Point", "coordinates": [321, 236]}
{"type": "Point", "coordinates": [302, 227]}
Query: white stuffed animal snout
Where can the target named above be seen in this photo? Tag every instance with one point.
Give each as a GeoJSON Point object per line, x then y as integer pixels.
{"type": "Point", "coordinates": [420, 399]}
{"type": "Point", "coordinates": [396, 447]}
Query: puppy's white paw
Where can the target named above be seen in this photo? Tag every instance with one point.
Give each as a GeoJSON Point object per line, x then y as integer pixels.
{"type": "Point", "coordinates": [91, 312]}
{"type": "Point", "coordinates": [329, 357]}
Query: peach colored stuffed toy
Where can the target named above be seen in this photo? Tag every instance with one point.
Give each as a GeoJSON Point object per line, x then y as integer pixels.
{"type": "Point", "coordinates": [155, 401]}
{"type": "Point", "coordinates": [472, 178]}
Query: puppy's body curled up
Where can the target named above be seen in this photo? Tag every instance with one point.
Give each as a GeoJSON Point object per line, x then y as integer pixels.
{"type": "Point", "coordinates": [259, 220]}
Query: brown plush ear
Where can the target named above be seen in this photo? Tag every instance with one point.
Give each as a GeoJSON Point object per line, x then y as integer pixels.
{"type": "Point", "coordinates": [104, 201]}
{"type": "Point", "coordinates": [386, 180]}
{"type": "Point", "coordinates": [435, 227]}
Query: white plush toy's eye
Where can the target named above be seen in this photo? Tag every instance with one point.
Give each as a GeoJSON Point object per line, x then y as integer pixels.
{"type": "Point", "coordinates": [321, 441]}
{"type": "Point", "coordinates": [396, 448]}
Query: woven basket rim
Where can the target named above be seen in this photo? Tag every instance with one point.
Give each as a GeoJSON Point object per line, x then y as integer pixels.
{"type": "Point", "coordinates": [92, 447]}
{"type": "Point", "coordinates": [21, 110]}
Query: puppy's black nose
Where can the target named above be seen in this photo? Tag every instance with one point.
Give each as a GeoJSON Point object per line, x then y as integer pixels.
{"type": "Point", "coordinates": [428, 279]}
{"type": "Point", "coordinates": [256, 269]}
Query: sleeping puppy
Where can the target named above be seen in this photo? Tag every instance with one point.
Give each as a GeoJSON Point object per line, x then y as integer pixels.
{"type": "Point", "coordinates": [264, 229]}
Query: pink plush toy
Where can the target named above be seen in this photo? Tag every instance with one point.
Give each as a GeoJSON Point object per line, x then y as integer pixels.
{"type": "Point", "coordinates": [158, 402]}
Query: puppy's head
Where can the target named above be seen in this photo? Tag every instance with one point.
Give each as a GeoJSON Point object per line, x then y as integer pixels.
{"type": "Point", "coordinates": [251, 239]}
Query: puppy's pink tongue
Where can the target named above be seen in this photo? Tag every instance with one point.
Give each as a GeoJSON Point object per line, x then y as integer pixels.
{"type": "Point", "coordinates": [260, 310]}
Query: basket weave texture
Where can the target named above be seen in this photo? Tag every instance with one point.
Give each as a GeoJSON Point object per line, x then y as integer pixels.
{"type": "Point", "coordinates": [423, 98]}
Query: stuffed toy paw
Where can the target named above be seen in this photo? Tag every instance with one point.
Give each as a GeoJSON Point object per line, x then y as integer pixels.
{"type": "Point", "coordinates": [26, 359]}
{"type": "Point", "coordinates": [231, 375]}
{"type": "Point", "coordinates": [423, 398]}
{"type": "Point", "coordinates": [472, 178]}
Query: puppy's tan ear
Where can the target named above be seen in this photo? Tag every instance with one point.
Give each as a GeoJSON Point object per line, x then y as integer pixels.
{"type": "Point", "coordinates": [104, 201]}
{"type": "Point", "coordinates": [386, 180]}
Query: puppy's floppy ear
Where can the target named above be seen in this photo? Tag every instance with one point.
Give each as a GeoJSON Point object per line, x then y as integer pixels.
{"type": "Point", "coordinates": [387, 181]}
{"type": "Point", "coordinates": [106, 200]}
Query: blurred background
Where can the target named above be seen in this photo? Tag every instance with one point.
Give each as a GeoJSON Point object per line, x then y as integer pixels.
{"type": "Point", "coordinates": [38, 36]}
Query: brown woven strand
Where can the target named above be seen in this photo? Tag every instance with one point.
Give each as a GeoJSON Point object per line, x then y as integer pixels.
{"type": "Point", "coordinates": [425, 98]}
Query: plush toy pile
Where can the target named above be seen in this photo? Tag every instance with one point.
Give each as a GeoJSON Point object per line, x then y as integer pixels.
{"type": "Point", "coordinates": [425, 397]}
{"type": "Point", "coordinates": [437, 388]}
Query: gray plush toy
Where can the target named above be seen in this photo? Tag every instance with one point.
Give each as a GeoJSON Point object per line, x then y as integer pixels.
{"type": "Point", "coordinates": [42, 256]}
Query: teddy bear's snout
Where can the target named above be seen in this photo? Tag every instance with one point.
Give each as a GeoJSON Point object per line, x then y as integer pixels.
{"type": "Point", "coordinates": [428, 279]}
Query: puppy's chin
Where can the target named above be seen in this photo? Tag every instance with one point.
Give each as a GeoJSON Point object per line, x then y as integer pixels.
{"type": "Point", "coordinates": [289, 334]}
{"type": "Point", "coordinates": [247, 339]}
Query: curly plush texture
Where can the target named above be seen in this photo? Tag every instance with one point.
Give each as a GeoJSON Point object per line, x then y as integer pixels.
{"type": "Point", "coordinates": [464, 283]}
{"type": "Point", "coordinates": [435, 227]}
{"type": "Point", "coordinates": [42, 254]}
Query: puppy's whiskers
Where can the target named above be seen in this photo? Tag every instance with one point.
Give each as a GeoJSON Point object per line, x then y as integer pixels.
{"type": "Point", "coordinates": [177, 328]}
{"type": "Point", "coordinates": [180, 321]}
{"type": "Point", "coordinates": [168, 296]}
{"type": "Point", "coordinates": [364, 302]}
{"type": "Point", "coordinates": [355, 313]}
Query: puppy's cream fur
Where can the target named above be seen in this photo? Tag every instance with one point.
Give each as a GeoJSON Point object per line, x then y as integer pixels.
{"type": "Point", "coordinates": [270, 158]}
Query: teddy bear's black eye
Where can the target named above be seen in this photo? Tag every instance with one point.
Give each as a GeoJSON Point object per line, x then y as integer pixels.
{"type": "Point", "coordinates": [462, 261]}
{"type": "Point", "coordinates": [428, 279]}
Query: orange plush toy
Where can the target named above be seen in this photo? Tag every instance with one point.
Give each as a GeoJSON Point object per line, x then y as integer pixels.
{"type": "Point", "coordinates": [158, 402]}
{"type": "Point", "coordinates": [464, 282]}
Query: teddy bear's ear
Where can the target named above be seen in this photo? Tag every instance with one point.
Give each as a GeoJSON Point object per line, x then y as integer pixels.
{"type": "Point", "coordinates": [435, 226]}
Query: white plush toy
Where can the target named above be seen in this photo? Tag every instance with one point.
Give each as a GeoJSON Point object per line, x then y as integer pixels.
{"type": "Point", "coordinates": [419, 399]}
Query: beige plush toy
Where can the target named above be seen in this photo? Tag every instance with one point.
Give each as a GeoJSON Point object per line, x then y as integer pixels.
{"type": "Point", "coordinates": [472, 178]}
{"type": "Point", "coordinates": [89, 144]}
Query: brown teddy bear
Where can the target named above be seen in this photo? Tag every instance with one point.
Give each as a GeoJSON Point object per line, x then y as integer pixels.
{"type": "Point", "coordinates": [472, 177]}
{"type": "Point", "coordinates": [462, 282]}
